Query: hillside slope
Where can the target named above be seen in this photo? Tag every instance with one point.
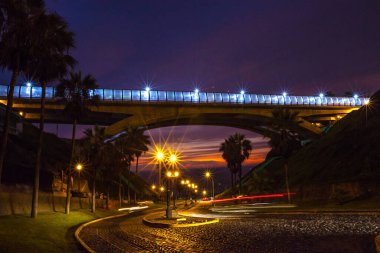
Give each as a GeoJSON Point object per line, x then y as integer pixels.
{"type": "Point", "coordinates": [347, 157]}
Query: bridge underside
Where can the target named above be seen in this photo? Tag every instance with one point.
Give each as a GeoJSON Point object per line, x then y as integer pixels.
{"type": "Point", "coordinates": [118, 116]}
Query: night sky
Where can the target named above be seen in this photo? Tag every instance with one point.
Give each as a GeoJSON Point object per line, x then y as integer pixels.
{"type": "Point", "coordinates": [303, 47]}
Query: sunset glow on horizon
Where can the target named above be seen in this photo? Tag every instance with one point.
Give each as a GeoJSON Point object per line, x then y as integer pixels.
{"type": "Point", "coordinates": [199, 150]}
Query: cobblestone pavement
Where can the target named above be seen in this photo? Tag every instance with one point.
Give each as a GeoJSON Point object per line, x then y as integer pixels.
{"type": "Point", "coordinates": [269, 233]}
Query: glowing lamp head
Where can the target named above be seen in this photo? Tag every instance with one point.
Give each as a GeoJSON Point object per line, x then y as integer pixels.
{"type": "Point", "coordinates": [29, 84]}
{"type": "Point", "coordinates": [195, 190]}
{"type": "Point", "coordinates": [242, 92]}
{"type": "Point", "coordinates": [169, 174]}
{"type": "Point", "coordinates": [207, 174]}
{"type": "Point", "coordinates": [176, 174]}
{"type": "Point", "coordinates": [159, 155]}
{"type": "Point", "coordinates": [204, 192]}
{"type": "Point", "coordinates": [173, 158]}
{"type": "Point", "coordinates": [356, 96]}
{"type": "Point", "coordinates": [162, 188]}
{"type": "Point", "coordinates": [321, 95]}
{"type": "Point", "coordinates": [284, 94]}
{"type": "Point", "coordinates": [147, 88]}
{"type": "Point", "coordinates": [366, 102]}
{"type": "Point", "coordinates": [21, 113]}
{"type": "Point", "coordinates": [187, 181]}
{"type": "Point", "coordinates": [79, 167]}
{"type": "Point", "coordinates": [153, 187]}
{"type": "Point", "coordinates": [196, 91]}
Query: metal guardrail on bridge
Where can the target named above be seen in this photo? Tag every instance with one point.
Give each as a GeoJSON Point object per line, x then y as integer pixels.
{"type": "Point", "coordinates": [34, 92]}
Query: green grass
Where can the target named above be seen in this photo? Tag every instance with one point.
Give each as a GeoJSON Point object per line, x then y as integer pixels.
{"type": "Point", "coordinates": [49, 232]}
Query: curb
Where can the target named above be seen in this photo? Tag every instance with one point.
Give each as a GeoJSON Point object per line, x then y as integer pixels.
{"type": "Point", "coordinates": [76, 234]}
{"type": "Point", "coordinates": [149, 223]}
{"type": "Point", "coordinates": [377, 242]}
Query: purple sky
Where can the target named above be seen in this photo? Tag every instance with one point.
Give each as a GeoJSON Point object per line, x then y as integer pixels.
{"type": "Point", "coordinates": [303, 47]}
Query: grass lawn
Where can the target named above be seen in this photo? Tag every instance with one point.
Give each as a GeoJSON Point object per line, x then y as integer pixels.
{"type": "Point", "coordinates": [50, 232]}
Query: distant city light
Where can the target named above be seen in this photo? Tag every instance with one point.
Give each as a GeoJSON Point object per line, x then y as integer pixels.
{"type": "Point", "coordinates": [321, 95]}
{"type": "Point", "coordinates": [284, 94]}
{"type": "Point", "coordinates": [29, 84]}
{"type": "Point", "coordinates": [356, 96]}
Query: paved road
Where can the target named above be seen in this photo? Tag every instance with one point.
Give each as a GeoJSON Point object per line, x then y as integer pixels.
{"type": "Point", "coordinates": [270, 233]}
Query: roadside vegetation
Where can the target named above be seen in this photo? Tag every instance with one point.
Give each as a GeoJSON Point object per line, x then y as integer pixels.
{"type": "Point", "coordinates": [51, 232]}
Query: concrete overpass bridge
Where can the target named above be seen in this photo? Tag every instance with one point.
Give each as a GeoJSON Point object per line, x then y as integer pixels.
{"type": "Point", "coordinates": [118, 109]}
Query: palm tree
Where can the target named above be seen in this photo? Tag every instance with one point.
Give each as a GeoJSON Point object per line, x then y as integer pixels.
{"type": "Point", "coordinates": [77, 93]}
{"type": "Point", "coordinates": [95, 145]}
{"type": "Point", "coordinates": [49, 62]}
{"type": "Point", "coordinates": [285, 139]}
{"type": "Point", "coordinates": [124, 145]}
{"type": "Point", "coordinates": [17, 42]}
{"type": "Point", "coordinates": [139, 145]}
{"type": "Point", "coordinates": [236, 149]}
{"type": "Point", "coordinates": [228, 155]}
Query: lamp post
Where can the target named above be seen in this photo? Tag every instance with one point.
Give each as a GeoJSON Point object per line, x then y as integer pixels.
{"type": "Point", "coordinates": [79, 167]}
{"type": "Point", "coordinates": [209, 176]}
{"type": "Point", "coordinates": [170, 175]}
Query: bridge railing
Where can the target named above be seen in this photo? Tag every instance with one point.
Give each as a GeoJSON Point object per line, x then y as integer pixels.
{"type": "Point", "coordinates": [34, 92]}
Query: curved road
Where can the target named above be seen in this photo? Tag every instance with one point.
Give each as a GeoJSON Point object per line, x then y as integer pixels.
{"type": "Point", "coordinates": [263, 233]}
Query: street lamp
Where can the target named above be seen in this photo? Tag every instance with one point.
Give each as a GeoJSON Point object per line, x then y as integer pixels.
{"type": "Point", "coordinates": [204, 192]}
{"type": "Point", "coordinates": [159, 157]}
{"type": "Point", "coordinates": [79, 167]}
{"type": "Point", "coordinates": [170, 175]}
{"type": "Point", "coordinates": [208, 175]}
{"type": "Point", "coordinates": [153, 187]}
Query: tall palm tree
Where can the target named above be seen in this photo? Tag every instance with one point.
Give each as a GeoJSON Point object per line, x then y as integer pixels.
{"type": "Point", "coordinates": [139, 145]}
{"type": "Point", "coordinates": [95, 140]}
{"type": "Point", "coordinates": [236, 149]}
{"type": "Point", "coordinates": [17, 42]}
{"type": "Point", "coordinates": [124, 145]}
{"type": "Point", "coordinates": [49, 62]}
{"type": "Point", "coordinates": [285, 139]}
{"type": "Point", "coordinates": [77, 92]}
{"type": "Point", "coordinates": [228, 155]}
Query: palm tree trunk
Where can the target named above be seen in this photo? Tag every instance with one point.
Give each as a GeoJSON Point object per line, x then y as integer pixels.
{"type": "Point", "coordinates": [240, 169]}
{"type": "Point", "coordinates": [39, 152]}
{"type": "Point", "coordinates": [137, 164]}
{"type": "Point", "coordinates": [287, 181]}
{"type": "Point", "coordinates": [120, 190]}
{"type": "Point", "coordinates": [129, 175]}
{"type": "Point", "coordinates": [232, 180]}
{"type": "Point", "coordinates": [93, 204]}
{"type": "Point", "coordinates": [108, 197]}
{"type": "Point", "coordinates": [68, 190]}
{"type": "Point", "coordinates": [4, 139]}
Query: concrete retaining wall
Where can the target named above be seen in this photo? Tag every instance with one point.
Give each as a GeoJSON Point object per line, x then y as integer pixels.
{"type": "Point", "coordinates": [18, 200]}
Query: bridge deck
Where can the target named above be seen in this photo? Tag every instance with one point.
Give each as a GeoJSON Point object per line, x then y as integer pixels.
{"type": "Point", "coordinates": [34, 92]}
